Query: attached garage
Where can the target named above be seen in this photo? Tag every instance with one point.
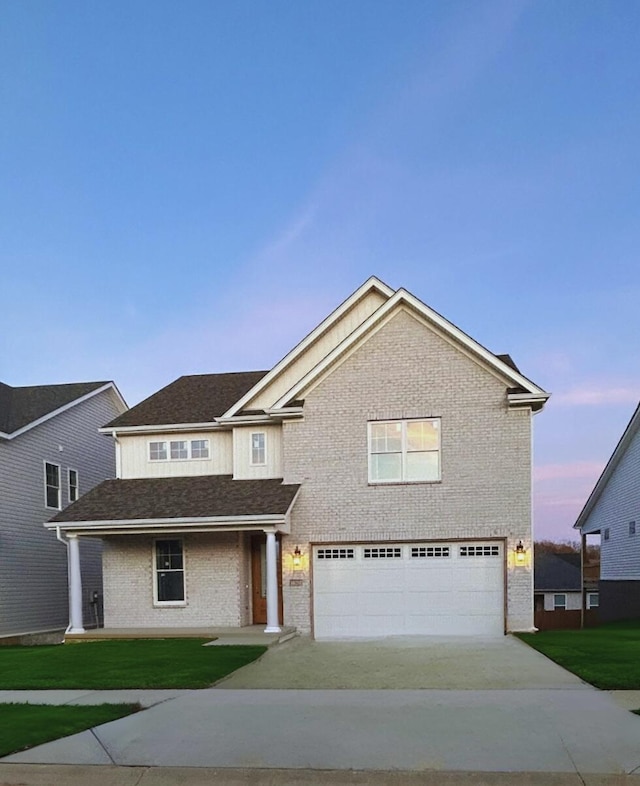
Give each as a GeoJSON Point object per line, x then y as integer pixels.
{"type": "Point", "coordinates": [385, 589]}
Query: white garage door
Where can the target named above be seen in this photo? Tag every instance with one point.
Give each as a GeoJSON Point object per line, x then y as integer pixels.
{"type": "Point", "coordinates": [369, 590]}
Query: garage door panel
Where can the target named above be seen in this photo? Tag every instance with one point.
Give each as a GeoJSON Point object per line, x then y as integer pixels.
{"type": "Point", "coordinates": [403, 589]}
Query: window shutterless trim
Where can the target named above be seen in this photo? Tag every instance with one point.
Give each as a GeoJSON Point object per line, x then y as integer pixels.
{"type": "Point", "coordinates": [167, 448]}
{"type": "Point", "coordinates": [154, 553]}
{"type": "Point", "coordinates": [404, 452]}
{"type": "Point", "coordinates": [77, 484]}
{"type": "Point", "coordinates": [46, 485]}
{"type": "Point", "coordinates": [253, 463]}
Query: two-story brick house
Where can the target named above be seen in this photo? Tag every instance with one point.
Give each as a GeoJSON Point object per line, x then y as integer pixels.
{"type": "Point", "coordinates": [376, 481]}
{"type": "Point", "coordinates": [50, 454]}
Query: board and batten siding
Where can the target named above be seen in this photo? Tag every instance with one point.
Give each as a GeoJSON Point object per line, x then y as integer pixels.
{"type": "Point", "coordinates": [353, 318]}
{"type": "Point", "coordinates": [33, 578]}
{"type": "Point", "coordinates": [242, 467]}
{"type": "Point", "coordinates": [617, 506]}
{"type": "Point", "coordinates": [135, 462]}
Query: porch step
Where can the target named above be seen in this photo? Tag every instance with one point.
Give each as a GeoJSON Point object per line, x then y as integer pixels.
{"type": "Point", "coordinates": [250, 634]}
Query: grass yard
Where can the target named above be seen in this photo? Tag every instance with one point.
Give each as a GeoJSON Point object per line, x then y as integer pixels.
{"type": "Point", "coordinates": [24, 725]}
{"type": "Point", "coordinates": [606, 656]}
{"type": "Point", "coordinates": [132, 663]}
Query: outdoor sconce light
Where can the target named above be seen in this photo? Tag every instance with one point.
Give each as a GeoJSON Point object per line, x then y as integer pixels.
{"type": "Point", "coordinates": [297, 558]}
{"type": "Point", "coordinates": [521, 554]}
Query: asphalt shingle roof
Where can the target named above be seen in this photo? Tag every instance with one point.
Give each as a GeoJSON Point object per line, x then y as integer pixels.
{"type": "Point", "coordinates": [183, 497]}
{"type": "Point", "coordinates": [196, 398]}
{"type": "Point", "coordinates": [20, 406]}
{"type": "Point", "coordinates": [556, 571]}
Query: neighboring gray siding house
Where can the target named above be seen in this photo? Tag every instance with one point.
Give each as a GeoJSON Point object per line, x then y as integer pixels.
{"type": "Point", "coordinates": [613, 511]}
{"type": "Point", "coordinates": [375, 482]}
{"type": "Point", "coordinates": [50, 454]}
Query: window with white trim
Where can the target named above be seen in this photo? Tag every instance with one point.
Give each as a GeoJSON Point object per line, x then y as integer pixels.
{"type": "Point", "coordinates": [593, 600]}
{"type": "Point", "coordinates": [169, 572]}
{"type": "Point", "coordinates": [559, 602]}
{"type": "Point", "coordinates": [258, 448]}
{"type": "Point", "coordinates": [179, 450]}
{"type": "Point", "coordinates": [52, 495]}
{"type": "Point", "coordinates": [73, 485]}
{"type": "Point", "coordinates": [404, 451]}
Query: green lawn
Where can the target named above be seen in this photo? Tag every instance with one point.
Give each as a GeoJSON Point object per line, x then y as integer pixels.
{"type": "Point", "coordinates": [606, 656]}
{"type": "Point", "coordinates": [135, 663]}
{"type": "Point", "coordinates": [25, 725]}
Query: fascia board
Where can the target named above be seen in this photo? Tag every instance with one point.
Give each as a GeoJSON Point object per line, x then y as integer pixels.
{"type": "Point", "coordinates": [60, 410]}
{"type": "Point", "coordinates": [163, 427]}
{"type": "Point", "coordinates": [207, 521]}
{"type": "Point", "coordinates": [607, 472]}
{"type": "Point", "coordinates": [371, 283]}
{"type": "Point", "coordinates": [449, 329]}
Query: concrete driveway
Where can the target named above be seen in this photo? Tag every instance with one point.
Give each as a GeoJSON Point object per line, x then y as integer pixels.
{"type": "Point", "coordinates": [416, 662]}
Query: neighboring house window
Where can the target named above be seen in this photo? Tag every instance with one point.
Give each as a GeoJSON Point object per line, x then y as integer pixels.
{"type": "Point", "coordinates": [559, 602]}
{"type": "Point", "coordinates": [632, 528]}
{"type": "Point", "coordinates": [199, 448]}
{"type": "Point", "coordinates": [169, 571]}
{"type": "Point", "coordinates": [404, 451]}
{"type": "Point", "coordinates": [258, 448]}
{"type": "Point", "coordinates": [73, 485]}
{"type": "Point", "coordinates": [593, 600]}
{"type": "Point", "coordinates": [606, 533]}
{"type": "Point", "coordinates": [52, 486]}
{"type": "Point", "coordinates": [158, 451]}
{"type": "Point", "coordinates": [179, 450]}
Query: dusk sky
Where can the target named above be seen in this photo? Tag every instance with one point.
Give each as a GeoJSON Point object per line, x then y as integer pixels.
{"type": "Point", "coordinates": [190, 187]}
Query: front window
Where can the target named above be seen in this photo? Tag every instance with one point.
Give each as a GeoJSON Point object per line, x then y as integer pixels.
{"type": "Point", "coordinates": [404, 451]}
{"type": "Point", "coordinates": [258, 448]}
{"type": "Point", "coordinates": [52, 486]}
{"type": "Point", "coordinates": [73, 485]}
{"type": "Point", "coordinates": [169, 571]}
{"type": "Point", "coordinates": [559, 602]}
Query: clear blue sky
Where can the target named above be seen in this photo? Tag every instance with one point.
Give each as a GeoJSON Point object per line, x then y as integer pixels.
{"type": "Point", "coordinates": [189, 187]}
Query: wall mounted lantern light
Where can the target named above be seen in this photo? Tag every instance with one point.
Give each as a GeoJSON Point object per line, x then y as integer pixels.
{"type": "Point", "coordinates": [297, 558]}
{"type": "Point", "coordinates": [521, 554]}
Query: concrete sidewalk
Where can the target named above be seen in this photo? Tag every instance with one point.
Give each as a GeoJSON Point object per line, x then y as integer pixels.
{"type": "Point", "coordinates": [553, 731]}
{"type": "Point", "coordinates": [64, 775]}
{"type": "Point", "coordinates": [146, 698]}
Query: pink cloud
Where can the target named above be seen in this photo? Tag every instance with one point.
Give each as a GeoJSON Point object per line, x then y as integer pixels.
{"type": "Point", "coordinates": [575, 470]}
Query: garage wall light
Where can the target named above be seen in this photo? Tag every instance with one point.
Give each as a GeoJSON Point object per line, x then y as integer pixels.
{"type": "Point", "coordinates": [521, 553]}
{"type": "Point", "coordinates": [297, 558]}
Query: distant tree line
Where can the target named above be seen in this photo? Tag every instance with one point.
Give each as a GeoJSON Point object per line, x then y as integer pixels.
{"type": "Point", "coordinates": [568, 547]}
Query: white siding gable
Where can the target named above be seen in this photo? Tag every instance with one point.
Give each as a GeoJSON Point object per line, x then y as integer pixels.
{"type": "Point", "coordinates": [243, 469]}
{"type": "Point", "coordinates": [135, 462]}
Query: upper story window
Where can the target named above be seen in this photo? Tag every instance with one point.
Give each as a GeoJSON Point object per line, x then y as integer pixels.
{"type": "Point", "coordinates": [52, 495]}
{"type": "Point", "coordinates": [258, 448]}
{"type": "Point", "coordinates": [559, 601]}
{"type": "Point", "coordinates": [632, 528]}
{"type": "Point", "coordinates": [404, 451]}
{"type": "Point", "coordinates": [606, 533]}
{"type": "Point", "coordinates": [73, 485]}
{"type": "Point", "coordinates": [179, 450]}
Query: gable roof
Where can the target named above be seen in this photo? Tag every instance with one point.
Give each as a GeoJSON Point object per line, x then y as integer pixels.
{"type": "Point", "coordinates": [625, 440]}
{"type": "Point", "coordinates": [556, 572]}
{"type": "Point", "coordinates": [522, 389]}
{"type": "Point", "coordinates": [22, 408]}
{"type": "Point", "coordinates": [194, 497]}
{"type": "Point", "coordinates": [197, 398]}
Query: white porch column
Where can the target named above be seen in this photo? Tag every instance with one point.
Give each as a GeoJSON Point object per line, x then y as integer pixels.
{"type": "Point", "coordinates": [273, 625]}
{"type": "Point", "coordinates": [75, 587]}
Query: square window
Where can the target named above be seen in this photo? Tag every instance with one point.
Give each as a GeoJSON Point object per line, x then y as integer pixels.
{"type": "Point", "coordinates": [559, 602]}
{"type": "Point", "coordinates": [404, 451]}
{"type": "Point", "coordinates": [179, 450]}
{"type": "Point", "coordinates": [199, 448]}
{"type": "Point", "coordinates": [158, 451]}
{"type": "Point", "coordinates": [593, 600]}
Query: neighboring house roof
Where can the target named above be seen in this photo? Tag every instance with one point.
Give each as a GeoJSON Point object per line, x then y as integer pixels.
{"type": "Point", "coordinates": [555, 572]}
{"type": "Point", "coordinates": [625, 440]}
{"type": "Point", "coordinates": [22, 408]}
{"type": "Point", "coordinates": [152, 499]}
{"type": "Point", "coordinates": [198, 398]}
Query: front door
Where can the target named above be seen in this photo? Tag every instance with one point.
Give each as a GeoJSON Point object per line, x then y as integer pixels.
{"type": "Point", "coordinates": [259, 579]}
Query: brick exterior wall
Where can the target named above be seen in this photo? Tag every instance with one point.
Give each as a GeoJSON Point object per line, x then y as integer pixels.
{"type": "Point", "coordinates": [214, 576]}
{"type": "Point", "coordinates": [405, 370]}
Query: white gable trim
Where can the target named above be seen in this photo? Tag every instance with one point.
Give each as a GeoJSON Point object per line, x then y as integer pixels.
{"type": "Point", "coordinates": [448, 330]}
{"type": "Point", "coordinates": [607, 472]}
{"type": "Point", "coordinates": [372, 283]}
{"type": "Point", "coordinates": [75, 402]}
